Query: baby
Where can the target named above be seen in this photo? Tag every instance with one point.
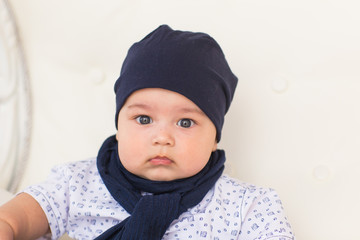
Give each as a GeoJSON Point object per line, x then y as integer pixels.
{"type": "Point", "coordinates": [161, 175]}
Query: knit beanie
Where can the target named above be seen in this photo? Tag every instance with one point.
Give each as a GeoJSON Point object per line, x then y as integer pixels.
{"type": "Point", "coordinates": [189, 63]}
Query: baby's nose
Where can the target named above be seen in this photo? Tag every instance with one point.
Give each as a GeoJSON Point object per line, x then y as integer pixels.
{"type": "Point", "coordinates": [163, 136]}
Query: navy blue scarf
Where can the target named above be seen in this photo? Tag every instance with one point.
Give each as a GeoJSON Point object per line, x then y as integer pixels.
{"type": "Point", "coordinates": [152, 214]}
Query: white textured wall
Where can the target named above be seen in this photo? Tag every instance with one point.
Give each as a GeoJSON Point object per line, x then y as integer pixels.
{"type": "Point", "coordinates": [294, 124]}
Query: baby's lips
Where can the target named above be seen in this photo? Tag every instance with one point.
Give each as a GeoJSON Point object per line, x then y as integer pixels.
{"type": "Point", "coordinates": [158, 160]}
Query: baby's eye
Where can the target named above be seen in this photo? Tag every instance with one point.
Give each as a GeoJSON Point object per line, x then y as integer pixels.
{"type": "Point", "coordinates": [143, 119]}
{"type": "Point", "coordinates": [185, 123]}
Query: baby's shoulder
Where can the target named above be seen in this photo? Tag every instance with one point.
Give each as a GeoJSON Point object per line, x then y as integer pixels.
{"type": "Point", "coordinates": [236, 185]}
{"type": "Point", "coordinates": [228, 186]}
{"type": "Point", "coordinates": [77, 171]}
{"type": "Point", "coordinates": [71, 168]}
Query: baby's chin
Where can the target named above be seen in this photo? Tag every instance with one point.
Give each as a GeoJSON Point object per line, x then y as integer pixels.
{"type": "Point", "coordinates": [161, 178]}
{"type": "Point", "coordinates": [164, 177]}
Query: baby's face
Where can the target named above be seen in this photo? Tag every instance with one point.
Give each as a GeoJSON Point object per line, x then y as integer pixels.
{"type": "Point", "coordinates": [163, 135]}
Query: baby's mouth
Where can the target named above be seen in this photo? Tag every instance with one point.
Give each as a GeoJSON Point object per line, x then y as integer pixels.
{"type": "Point", "coordinates": [158, 160]}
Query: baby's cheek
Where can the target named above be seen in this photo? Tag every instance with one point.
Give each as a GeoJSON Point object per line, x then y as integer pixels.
{"type": "Point", "coordinates": [195, 167]}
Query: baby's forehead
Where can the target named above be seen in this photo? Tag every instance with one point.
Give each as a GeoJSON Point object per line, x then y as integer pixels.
{"type": "Point", "coordinates": [147, 97]}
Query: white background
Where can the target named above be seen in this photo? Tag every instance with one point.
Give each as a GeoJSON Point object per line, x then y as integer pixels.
{"type": "Point", "coordinates": [294, 123]}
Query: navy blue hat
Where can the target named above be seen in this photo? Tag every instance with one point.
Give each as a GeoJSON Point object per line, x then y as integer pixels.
{"type": "Point", "coordinates": [188, 63]}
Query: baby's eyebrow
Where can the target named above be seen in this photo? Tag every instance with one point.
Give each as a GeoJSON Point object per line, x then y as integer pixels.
{"type": "Point", "coordinates": [181, 109]}
{"type": "Point", "coordinates": [139, 105]}
{"type": "Point", "coordinates": [191, 110]}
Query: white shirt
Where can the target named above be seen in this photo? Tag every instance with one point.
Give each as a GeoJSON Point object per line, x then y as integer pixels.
{"type": "Point", "coordinates": [76, 201]}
